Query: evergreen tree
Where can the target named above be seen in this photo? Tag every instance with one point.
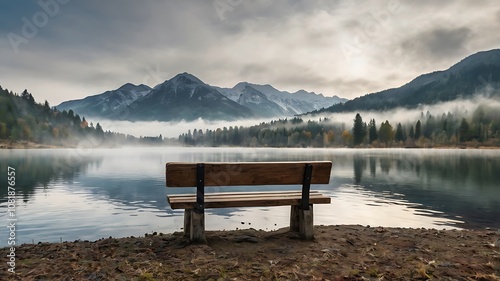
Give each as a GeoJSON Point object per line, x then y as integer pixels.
{"type": "Point", "coordinates": [411, 133]}
{"type": "Point", "coordinates": [399, 132]}
{"type": "Point", "coordinates": [98, 128]}
{"type": "Point", "coordinates": [46, 106]}
{"type": "Point", "coordinates": [372, 130]}
{"type": "Point", "coordinates": [358, 130]}
{"type": "Point", "coordinates": [464, 131]}
{"type": "Point", "coordinates": [418, 130]}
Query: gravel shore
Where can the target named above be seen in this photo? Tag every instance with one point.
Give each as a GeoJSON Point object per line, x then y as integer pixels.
{"type": "Point", "coordinates": [347, 252]}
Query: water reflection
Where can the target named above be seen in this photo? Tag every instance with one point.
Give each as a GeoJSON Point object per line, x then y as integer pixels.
{"type": "Point", "coordinates": [39, 168]}
{"type": "Point", "coordinates": [450, 183]}
{"type": "Point", "coordinates": [122, 191]}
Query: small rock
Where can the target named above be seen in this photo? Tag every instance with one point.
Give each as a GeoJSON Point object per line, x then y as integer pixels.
{"type": "Point", "coordinates": [246, 238]}
{"type": "Point", "coordinates": [329, 250]}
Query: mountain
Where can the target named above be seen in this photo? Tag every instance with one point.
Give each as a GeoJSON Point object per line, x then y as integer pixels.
{"type": "Point", "coordinates": [185, 97]}
{"type": "Point", "coordinates": [258, 103]}
{"type": "Point", "coordinates": [285, 103]}
{"type": "Point", "coordinates": [476, 74]}
{"type": "Point", "coordinates": [107, 103]}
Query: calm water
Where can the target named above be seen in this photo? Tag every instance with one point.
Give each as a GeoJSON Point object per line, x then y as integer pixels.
{"type": "Point", "coordinates": [74, 194]}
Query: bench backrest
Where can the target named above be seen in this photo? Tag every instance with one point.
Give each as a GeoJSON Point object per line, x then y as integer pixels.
{"type": "Point", "coordinates": [182, 174]}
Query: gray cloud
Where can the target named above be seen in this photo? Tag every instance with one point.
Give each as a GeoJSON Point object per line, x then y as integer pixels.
{"type": "Point", "coordinates": [439, 44]}
{"type": "Point", "coordinates": [93, 46]}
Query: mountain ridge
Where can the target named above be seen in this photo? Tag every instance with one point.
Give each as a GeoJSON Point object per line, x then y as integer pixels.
{"type": "Point", "coordinates": [462, 80]}
{"type": "Point", "coordinates": [173, 100]}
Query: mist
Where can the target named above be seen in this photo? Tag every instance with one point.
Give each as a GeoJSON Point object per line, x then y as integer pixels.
{"type": "Point", "coordinates": [463, 108]}
{"type": "Point", "coordinates": [460, 107]}
{"type": "Point", "coordinates": [172, 129]}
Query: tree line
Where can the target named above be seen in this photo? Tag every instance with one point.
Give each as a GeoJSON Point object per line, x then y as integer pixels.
{"type": "Point", "coordinates": [23, 119]}
{"type": "Point", "coordinates": [449, 129]}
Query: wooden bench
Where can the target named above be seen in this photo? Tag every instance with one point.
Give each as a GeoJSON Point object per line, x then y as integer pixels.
{"type": "Point", "coordinates": [200, 175]}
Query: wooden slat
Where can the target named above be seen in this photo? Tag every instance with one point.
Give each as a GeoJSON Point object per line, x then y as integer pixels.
{"type": "Point", "coordinates": [229, 194]}
{"type": "Point", "coordinates": [247, 200]}
{"type": "Point", "coordinates": [241, 192]}
{"type": "Point", "coordinates": [243, 198]}
{"type": "Point", "coordinates": [236, 196]}
{"type": "Point", "coordinates": [247, 173]}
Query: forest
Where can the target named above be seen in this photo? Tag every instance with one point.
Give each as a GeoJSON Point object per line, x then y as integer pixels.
{"type": "Point", "coordinates": [481, 128]}
{"type": "Point", "coordinates": [23, 119]}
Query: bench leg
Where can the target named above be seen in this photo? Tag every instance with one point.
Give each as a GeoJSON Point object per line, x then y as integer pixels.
{"type": "Point", "coordinates": [306, 223]}
{"type": "Point", "coordinates": [187, 221]}
{"type": "Point", "coordinates": [294, 218]}
{"type": "Point", "coordinates": [197, 228]}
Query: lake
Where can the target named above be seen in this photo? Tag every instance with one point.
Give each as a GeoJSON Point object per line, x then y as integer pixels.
{"type": "Point", "coordinates": [87, 194]}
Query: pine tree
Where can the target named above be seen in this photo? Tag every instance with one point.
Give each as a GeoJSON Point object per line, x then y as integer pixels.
{"type": "Point", "coordinates": [399, 132]}
{"type": "Point", "coordinates": [418, 130]}
{"type": "Point", "coordinates": [98, 128]}
{"type": "Point", "coordinates": [372, 130]}
{"type": "Point", "coordinates": [358, 130]}
{"type": "Point", "coordinates": [464, 131]}
{"type": "Point", "coordinates": [411, 134]}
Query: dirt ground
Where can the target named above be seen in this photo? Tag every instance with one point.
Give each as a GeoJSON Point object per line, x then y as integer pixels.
{"type": "Point", "coordinates": [346, 252]}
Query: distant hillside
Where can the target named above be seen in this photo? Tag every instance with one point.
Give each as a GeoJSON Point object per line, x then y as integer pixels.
{"type": "Point", "coordinates": [108, 102]}
{"type": "Point", "coordinates": [185, 97]}
{"type": "Point", "coordinates": [23, 119]}
{"type": "Point", "coordinates": [476, 74]}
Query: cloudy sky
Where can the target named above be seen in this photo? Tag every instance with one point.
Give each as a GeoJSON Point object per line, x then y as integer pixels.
{"type": "Point", "coordinates": [68, 49]}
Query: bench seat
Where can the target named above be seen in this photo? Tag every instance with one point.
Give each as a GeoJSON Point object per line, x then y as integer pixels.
{"type": "Point", "coordinates": [246, 199]}
{"type": "Point", "coordinates": [247, 174]}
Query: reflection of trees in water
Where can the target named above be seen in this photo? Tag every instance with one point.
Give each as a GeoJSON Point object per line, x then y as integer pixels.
{"type": "Point", "coordinates": [373, 166]}
{"type": "Point", "coordinates": [39, 170]}
{"type": "Point", "coordinates": [359, 165]}
{"type": "Point", "coordinates": [458, 184]}
{"type": "Point", "coordinates": [386, 164]}
{"type": "Point", "coordinates": [480, 171]}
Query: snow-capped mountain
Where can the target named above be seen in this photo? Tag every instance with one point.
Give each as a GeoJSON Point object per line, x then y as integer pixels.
{"type": "Point", "coordinates": [108, 102]}
{"type": "Point", "coordinates": [186, 97]}
{"type": "Point", "coordinates": [288, 103]}
{"type": "Point", "coordinates": [183, 97]}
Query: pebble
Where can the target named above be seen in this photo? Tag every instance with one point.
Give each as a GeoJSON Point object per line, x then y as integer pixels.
{"type": "Point", "coordinates": [246, 238]}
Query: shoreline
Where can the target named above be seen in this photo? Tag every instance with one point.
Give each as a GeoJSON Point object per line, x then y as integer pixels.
{"type": "Point", "coordinates": [340, 252]}
{"type": "Point", "coordinates": [25, 145]}
{"type": "Point", "coordinates": [5, 144]}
